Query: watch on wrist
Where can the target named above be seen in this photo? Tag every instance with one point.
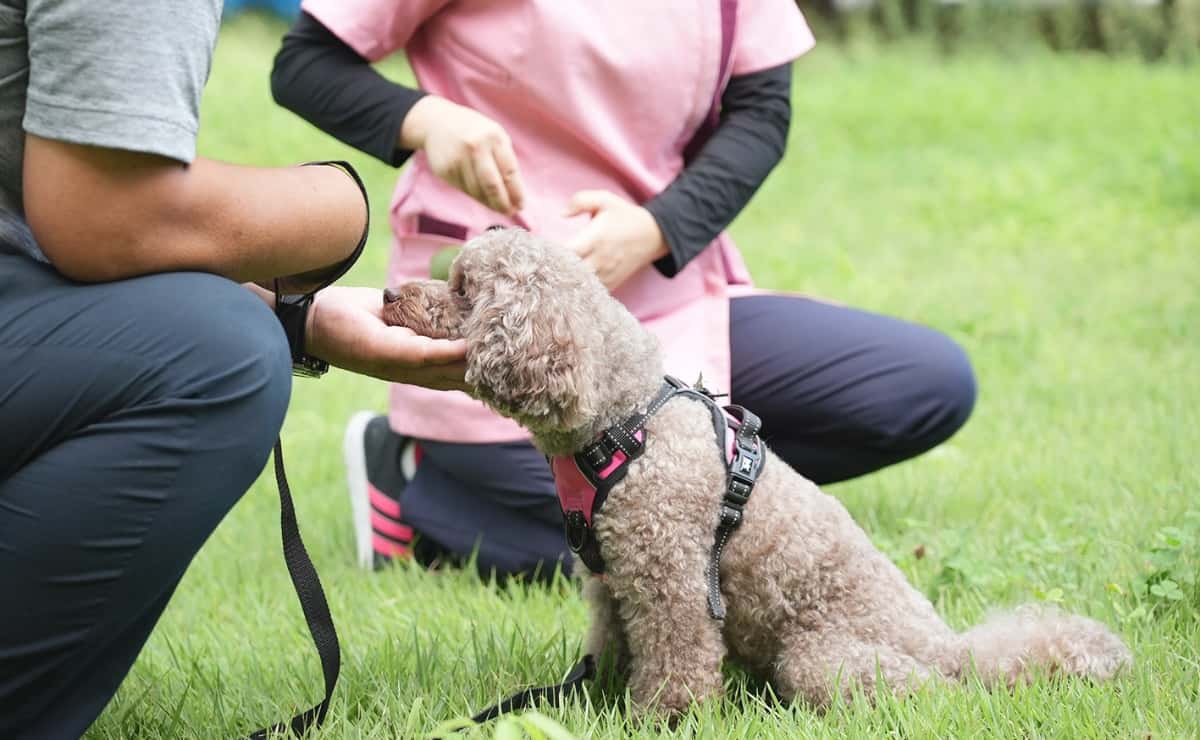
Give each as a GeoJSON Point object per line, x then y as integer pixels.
{"type": "Point", "coordinates": [292, 311]}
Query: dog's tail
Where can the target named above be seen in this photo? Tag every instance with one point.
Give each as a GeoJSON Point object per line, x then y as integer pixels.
{"type": "Point", "coordinates": [1015, 646]}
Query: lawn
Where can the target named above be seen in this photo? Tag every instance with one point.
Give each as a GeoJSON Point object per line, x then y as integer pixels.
{"type": "Point", "coordinates": [1042, 210]}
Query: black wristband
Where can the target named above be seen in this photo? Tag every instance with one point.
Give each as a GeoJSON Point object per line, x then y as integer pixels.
{"type": "Point", "coordinates": [347, 263]}
{"type": "Point", "coordinates": [292, 311]}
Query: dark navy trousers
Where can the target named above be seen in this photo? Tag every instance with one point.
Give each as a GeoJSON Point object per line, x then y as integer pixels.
{"type": "Point", "coordinates": [133, 415]}
{"type": "Point", "coordinates": [841, 393]}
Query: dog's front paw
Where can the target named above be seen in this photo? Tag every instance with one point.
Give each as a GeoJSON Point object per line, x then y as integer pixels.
{"type": "Point", "coordinates": [666, 700]}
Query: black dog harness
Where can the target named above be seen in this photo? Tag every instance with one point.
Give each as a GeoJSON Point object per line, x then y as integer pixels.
{"type": "Point", "coordinates": [585, 479]}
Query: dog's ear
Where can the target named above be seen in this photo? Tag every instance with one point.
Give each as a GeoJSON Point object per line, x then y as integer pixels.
{"type": "Point", "coordinates": [526, 354]}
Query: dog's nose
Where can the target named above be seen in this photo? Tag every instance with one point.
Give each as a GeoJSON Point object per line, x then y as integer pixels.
{"type": "Point", "coordinates": [389, 296]}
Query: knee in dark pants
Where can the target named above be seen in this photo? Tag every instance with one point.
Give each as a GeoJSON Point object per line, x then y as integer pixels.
{"type": "Point", "coordinates": [186, 382]}
{"type": "Point", "coordinates": [959, 387]}
{"type": "Point", "coordinates": [940, 395]}
{"type": "Point", "coordinates": [236, 363]}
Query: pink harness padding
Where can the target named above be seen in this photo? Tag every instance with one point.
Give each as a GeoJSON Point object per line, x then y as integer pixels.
{"type": "Point", "coordinates": [576, 492]}
{"type": "Point", "coordinates": [729, 439]}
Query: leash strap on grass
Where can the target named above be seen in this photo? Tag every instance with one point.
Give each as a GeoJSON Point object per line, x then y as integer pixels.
{"type": "Point", "coordinates": [312, 602]}
{"type": "Point", "coordinates": [583, 670]}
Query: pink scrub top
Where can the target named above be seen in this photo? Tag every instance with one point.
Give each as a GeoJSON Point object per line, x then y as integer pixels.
{"type": "Point", "coordinates": [594, 95]}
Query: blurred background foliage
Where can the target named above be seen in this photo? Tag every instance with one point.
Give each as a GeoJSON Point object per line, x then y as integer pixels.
{"type": "Point", "coordinates": [1150, 29]}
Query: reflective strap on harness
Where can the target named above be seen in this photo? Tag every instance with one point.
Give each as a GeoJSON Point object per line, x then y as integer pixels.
{"type": "Point", "coordinates": [743, 472]}
{"type": "Point", "coordinates": [603, 464]}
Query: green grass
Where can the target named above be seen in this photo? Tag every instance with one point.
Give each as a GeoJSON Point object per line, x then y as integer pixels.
{"type": "Point", "coordinates": [1043, 210]}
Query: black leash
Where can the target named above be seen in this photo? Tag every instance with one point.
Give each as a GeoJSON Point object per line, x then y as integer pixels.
{"type": "Point", "coordinates": [584, 670]}
{"type": "Point", "coordinates": [312, 602]}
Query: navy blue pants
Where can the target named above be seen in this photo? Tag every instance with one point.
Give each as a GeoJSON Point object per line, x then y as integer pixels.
{"type": "Point", "coordinates": [133, 415]}
{"type": "Point", "coordinates": [841, 393]}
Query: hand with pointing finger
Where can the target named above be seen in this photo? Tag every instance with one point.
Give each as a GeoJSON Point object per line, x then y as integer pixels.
{"type": "Point", "coordinates": [466, 149]}
{"type": "Point", "coordinates": [621, 238]}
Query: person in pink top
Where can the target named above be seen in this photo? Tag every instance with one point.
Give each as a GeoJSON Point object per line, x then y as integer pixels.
{"type": "Point", "coordinates": [633, 133]}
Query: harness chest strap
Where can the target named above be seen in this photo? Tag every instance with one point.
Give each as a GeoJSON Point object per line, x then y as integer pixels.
{"type": "Point", "coordinates": [584, 480]}
{"type": "Point", "coordinates": [743, 471]}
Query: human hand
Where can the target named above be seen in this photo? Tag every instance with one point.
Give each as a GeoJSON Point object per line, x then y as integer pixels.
{"type": "Point", "coordinates": [621, 238]}
{"type": "Point", "coordinates": [466, 149]}
{"type": "Point", "coordinates": [346, 329]}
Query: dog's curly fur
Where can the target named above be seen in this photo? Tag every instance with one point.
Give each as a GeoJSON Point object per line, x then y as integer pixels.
{"type": "Point", "coordinates": [812, 604]}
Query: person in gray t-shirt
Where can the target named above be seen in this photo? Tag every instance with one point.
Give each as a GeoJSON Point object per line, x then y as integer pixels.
{"type": "Point", "coordinates": [143, 375]}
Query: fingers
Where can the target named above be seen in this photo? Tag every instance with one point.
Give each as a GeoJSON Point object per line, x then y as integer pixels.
{"type": "Point", "coordinates": [491, 175]}
{"type": "Point", "coordinates": [469, 151]}
{"type": "Point", "coordinates": [416, 360]}
{"type": "Point", "coordinates": [443, 351]}
{"type": "Point", "coordinates": [583, 242]}
{"type": "Point", "coordinates": [493, 191]}
{"type": "Point", "coordinates": [588, 201]}
{"type": "Point", "coordinates": [469, 183]}
{"type": "Point", "coordinates": [399, 346]}
{"type": "Point", "coordinates": [591, 202]}
{"type": "Point", "coordinates": [506, 162]}
{"type": "Point", "coordinates": [440, 377]}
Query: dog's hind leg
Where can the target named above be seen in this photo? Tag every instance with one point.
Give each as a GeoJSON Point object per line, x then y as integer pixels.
{"type": "Point", "coordinates": [817, 667]}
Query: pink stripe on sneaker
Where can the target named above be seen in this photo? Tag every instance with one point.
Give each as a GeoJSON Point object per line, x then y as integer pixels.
{"type": "Point", "coordinates": [393, 529]}
{"type": "Point", "coordinates": [386, 547]}
{"type": "Point", "coordinates": [383, 502]}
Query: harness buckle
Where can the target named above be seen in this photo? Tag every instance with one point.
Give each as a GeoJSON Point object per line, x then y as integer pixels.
{"type": "Point", "coordinates": [577, 531]}
{"type": "Point", "coordinates": [598, 455]}
{"type": "Point", "coordinates": [743, 471]}
{"type": "Point", "coordinates": [738, 490]}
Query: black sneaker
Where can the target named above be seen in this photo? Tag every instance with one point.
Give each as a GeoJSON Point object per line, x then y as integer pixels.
{"type": "Point", "coordinates": [375, 473]}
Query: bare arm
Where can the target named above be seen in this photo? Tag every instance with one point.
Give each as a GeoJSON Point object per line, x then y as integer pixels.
{"type": "Point", "coordinates": [104, 214]}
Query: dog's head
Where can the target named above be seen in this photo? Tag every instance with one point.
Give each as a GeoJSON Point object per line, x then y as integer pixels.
{"type": "Point", "coordinates": [545, 341]}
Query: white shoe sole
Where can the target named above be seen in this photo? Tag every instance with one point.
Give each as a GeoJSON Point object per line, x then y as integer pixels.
{"type": "Point", "coordinates": [356, 480]}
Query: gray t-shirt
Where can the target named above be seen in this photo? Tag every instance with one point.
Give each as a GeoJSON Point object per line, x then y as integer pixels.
{"type": "Point", "coordinates": [125, 75]}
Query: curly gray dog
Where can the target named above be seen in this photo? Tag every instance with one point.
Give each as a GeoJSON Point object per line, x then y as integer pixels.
{"type": "Point", "coordinates": [812, 604]}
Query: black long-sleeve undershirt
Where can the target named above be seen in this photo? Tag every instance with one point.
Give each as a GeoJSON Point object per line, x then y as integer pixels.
{"type": "Point", "coordinates": [321, 79]}
{"type": "Point", "coordinates": [720, 180]}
